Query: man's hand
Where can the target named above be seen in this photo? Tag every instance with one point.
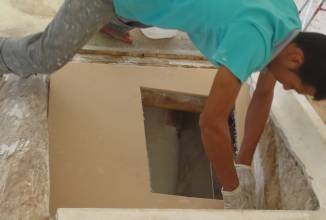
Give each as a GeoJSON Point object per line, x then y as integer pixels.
{"type": "Point", "coordinates": [121, 36]}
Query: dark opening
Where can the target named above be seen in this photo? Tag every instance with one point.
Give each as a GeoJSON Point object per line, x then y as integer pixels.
{"type": "Point", "coordinates": [177, 160]}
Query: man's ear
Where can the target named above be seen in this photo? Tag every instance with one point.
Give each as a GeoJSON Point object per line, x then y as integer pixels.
{"type": "Point", "coordinates": [294, 56]}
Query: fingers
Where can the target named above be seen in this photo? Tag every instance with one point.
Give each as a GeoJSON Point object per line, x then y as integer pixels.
{"type": "Point", "coordinates": [121, 36]}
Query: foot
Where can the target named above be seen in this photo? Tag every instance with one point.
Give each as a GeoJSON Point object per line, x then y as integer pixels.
{"type": "Point", "coordinates": [121, 36]}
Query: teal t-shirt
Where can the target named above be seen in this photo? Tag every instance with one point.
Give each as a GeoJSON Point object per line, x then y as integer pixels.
{"type": "Point", "coordinates": [240, 34]}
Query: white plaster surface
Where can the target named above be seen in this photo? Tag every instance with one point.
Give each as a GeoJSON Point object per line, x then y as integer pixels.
{"type": "Point", "coordinates": [158, 214]}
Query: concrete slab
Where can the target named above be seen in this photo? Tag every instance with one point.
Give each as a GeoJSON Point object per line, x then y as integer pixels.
{"type": "Point", "coordinates": [140, 214]}
{"type": "Point", "coordinates": [304, 137]}
{"type": "Point", "coordinates": [97, 142]}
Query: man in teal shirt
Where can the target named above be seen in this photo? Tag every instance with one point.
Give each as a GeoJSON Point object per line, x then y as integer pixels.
{"type": "Point", "coordinates": [238, 36]}
{"type": "Point", "coordinates": [220, 29]}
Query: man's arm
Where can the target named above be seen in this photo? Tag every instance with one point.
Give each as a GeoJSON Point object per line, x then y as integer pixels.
{"type": "Point", "coordinates": [215, 129]}
{"type": "Point", "coordinates": [257, 116]}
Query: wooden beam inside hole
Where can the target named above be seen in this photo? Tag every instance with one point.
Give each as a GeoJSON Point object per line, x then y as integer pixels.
{"type": "Point", "coordinates": [172, 100]}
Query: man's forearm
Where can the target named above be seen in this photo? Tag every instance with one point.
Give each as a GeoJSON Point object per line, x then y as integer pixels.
{"type": "Point", "coordinates": [256, 118]}
{"type": "Point", "coordinates": [217, 143]}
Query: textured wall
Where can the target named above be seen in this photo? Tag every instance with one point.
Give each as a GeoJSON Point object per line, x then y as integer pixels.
{"type": "Point", "coordinates": [281, 179]}
{"type": "Point", "coordinates": [24, 181]}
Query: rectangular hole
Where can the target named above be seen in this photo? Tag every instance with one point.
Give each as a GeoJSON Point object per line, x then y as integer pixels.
{"type": "Point", "coordinates": [177, 160]}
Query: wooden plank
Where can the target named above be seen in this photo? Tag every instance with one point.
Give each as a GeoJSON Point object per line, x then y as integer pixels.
{"type": "Point", "coordinates": [172, 100]}
{"type": "Point", "coordinates": [179, 47]}
{"type": "Point", "coordinates": [143, 61]}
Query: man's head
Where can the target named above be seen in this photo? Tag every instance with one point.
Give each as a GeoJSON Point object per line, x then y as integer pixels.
{"type": "Point", "coordinates": [302, 65]}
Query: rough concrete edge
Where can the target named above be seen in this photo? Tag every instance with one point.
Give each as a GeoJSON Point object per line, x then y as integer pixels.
{"type": "Point", "coordinates": [301, 130]}
{"type": "Point", "coordinates": [169, 214]}
{"type": "Point", "coordinates": [285, 185]}
{"type": "Point", "coordinates": [295, 117]}
{"type": "Point", "coordinates": [142, 61]}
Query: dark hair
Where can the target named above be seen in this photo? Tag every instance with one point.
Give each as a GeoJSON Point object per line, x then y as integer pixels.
{"type": "Point", "coordinates": [313, 70]}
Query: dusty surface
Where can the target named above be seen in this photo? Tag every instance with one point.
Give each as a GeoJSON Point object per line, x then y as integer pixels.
{"type": "Point", "coordinates": [285, 185]}
{"type": "Point", "coordinates": [304, 136]}
{"type": "Point", "coordinates": [297, 178]}
{"type": "Point", "coordinates": [179, 47]}
{"type": "Point", "coordinates": [24, 171]}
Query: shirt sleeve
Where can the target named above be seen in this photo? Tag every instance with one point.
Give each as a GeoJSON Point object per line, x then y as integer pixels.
{"type": "Point", "coordinates": [242, 50]}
